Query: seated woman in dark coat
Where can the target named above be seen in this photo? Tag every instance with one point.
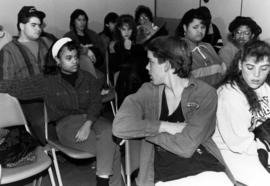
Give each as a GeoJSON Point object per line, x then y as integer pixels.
{"type": "Point", "coordinates": [90, 42]}
{"type": "Point", "coordinates": [132, 72]}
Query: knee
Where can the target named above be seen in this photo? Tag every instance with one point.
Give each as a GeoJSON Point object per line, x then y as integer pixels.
{"type": "Point", "coordinates": [103, 126]}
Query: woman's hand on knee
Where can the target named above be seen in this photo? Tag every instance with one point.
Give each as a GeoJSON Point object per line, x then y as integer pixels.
{"type": "Point", "coordinates": [84, 131]}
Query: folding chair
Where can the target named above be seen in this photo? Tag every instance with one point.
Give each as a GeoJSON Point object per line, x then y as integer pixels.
{"type": "Point", "coordinates": [132, 152]}
{"type": "Point", "coordinates": [55, 145]}
{"type": "Point", "coordinates": [12, 115]}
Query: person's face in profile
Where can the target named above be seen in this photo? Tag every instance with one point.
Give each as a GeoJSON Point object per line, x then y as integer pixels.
{"type": "Point", "coordinates": [156, 71]}
{"type": "Point", "coordinates": [80, 23]}
{"type": "Point", "coordinates": [68, 61]}
{"type": "Point", "coordinates": [254, 72]}
{"type": "Point", "coordinates": [243, 34]}
{"type": "Point", "coordinates": [195, 31]}
{"type": "Point", "coordinates": [32, 29]}
{"type": "Point", "coordinates": [111, 26]}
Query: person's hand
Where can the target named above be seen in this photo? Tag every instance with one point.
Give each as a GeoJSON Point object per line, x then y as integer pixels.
{"type": "Point", "coordinates": [92, 56]}
{"type": "Point", "coordinates": [171, 128]}
{"type": "Point", "coordinates": [84, 131]}
{"type": "Point", "coordinates": [111, 47]}
{"type": "Point", "coordinates": [127, 43]}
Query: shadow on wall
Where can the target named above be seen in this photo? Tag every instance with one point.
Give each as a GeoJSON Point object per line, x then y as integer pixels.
{"type": "Point", "coordinates": [267, 40]}
{"type": "Point", "coordinates": [171, 23]}
{"type": "Point", "coordinates": [96, 26]}
{"type": "Point", "coordinates": [223, 28]}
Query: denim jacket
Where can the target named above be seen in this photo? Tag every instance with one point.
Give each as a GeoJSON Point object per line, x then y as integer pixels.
{"type": "Point", "coordinates": [139, 114]}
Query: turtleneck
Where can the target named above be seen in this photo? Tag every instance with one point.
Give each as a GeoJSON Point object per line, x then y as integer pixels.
{"type": "Point", "coordinates": [70, 78]}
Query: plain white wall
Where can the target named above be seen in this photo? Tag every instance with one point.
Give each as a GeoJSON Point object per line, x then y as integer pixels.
{"type": "Point", "coordinates": [175, 8]}
{"type": "Point", "coordinates": [58, 12]}
{"type": "Point", "coordinates": [259, 10]}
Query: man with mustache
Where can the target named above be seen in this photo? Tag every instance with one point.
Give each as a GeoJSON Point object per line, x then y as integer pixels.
{"type": "Point", "coordinates": [242, 30]}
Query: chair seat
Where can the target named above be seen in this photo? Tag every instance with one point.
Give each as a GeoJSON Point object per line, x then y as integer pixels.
{"type": "Point", "coordinates": [43, 161]}
{"type": "Point", "coordinates": [71, 152]}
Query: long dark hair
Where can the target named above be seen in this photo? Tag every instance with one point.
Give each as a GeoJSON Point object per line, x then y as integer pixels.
{"type": "Point", "coordinates": [125, 19]}
{"type": "Point", "coordinates": [258, 50]}
{"type": "Point", "coordinates": [74, 15]}
{"type": "Point", "coordinates": [50, 66]}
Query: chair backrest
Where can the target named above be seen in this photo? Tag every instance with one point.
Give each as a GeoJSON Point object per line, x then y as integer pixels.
{"type": "Point", "coordinates": [87, 65]}
{"type": "Point", "coordinates": [11, 113]}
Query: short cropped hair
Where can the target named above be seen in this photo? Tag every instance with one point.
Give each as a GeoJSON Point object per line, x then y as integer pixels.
{"type": "Point", "coordinates": [175, 50]}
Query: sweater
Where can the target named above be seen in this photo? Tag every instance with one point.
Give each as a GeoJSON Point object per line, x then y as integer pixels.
{"type": "Point", "coordinates": [62, 99]}
{"type": "Point", "coordinates": [234, 119]}
{"type": "Point", "coordinates": [236, 143]}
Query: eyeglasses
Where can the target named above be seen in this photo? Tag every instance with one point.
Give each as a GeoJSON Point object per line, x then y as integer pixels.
{"type": "Point", "coordinates": [143, 17]}
{"type": "Point", "coordinates": [245, 33]}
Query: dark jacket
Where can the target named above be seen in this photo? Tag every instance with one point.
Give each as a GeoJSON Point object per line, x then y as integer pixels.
{"type": "Point", "coordinates": [62, 99]}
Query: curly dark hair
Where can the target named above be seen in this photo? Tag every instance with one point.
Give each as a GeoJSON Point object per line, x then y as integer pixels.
{"type": "Point", "coordinates": [188, 18]}
{"type": "Point", "coordinates": [257, 49]}
{"type": "Point", "coordinates": [175, 50]}
{"type": "Point", "coordinates": [141, 9]}
{"type": "Point", "coordinates": [240, 20]}
{"type": "Point", "coordinates": [74, 15]}
{"type": "Point", "coordinates": [125, 19]}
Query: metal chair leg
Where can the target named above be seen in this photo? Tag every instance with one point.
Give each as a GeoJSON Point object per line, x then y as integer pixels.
{"type": "Point", "coordinates": [50, 172]}
{"type": "Point", "coordinates": [39, 181]}
{"type": "Point", "coordinates": [113, 108]}
{"type": "Point", "coordinates": [56, 166]}
{"type": "Point", "coordinates": [127, 160]}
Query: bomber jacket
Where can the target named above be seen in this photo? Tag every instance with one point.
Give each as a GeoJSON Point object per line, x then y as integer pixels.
{"type": "Point", "coordinates": [139, 114]}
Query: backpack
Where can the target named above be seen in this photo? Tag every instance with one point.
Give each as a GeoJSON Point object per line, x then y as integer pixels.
{"type": "Point", "coordinates": [15, 147]}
